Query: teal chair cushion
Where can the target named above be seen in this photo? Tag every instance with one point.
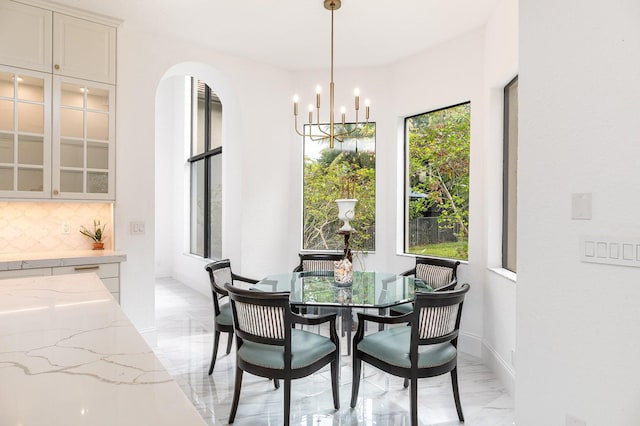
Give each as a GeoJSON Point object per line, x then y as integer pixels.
{"type": "Point", "coordinates": [392, 347]}
{"type": "Point", "coordinates": [225, 315]}
{"type": "Point", "coordinates": [306, 348]}
{"type": "Point", "coordinates": [405, 308]}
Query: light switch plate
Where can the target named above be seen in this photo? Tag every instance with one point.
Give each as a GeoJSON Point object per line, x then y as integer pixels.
{"type": "Point", "coordinates": [610, 250]}
{"type": "Point", "coordinates": [136, 228]}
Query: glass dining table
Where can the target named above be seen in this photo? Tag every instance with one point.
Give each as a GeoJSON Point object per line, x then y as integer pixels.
{"type": "Point", "coordinates": [369, 290]}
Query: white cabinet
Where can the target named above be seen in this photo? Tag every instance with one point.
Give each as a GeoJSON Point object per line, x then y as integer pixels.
{"type": "Point", "coordinates": [84, 49]}
{"type": "Point", "coordinates": [25, 36]}
{"type": "Point", "coordinates": [25, 133]}
{"type": "Point", "coordinates": [57, 125]}
{"type": "Point", "coordinates": [83, 164]}
{"type": "Point", "coordinates": [109, 273]}
{"type": "Point", "coordinates": [49, 41]}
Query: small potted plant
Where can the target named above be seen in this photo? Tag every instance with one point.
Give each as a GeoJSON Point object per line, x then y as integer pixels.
{"type": "Point", "coordinates": [96, 235]}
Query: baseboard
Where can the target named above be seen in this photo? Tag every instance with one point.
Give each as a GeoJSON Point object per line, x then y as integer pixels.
{"type": "Point", "coordinates": [501, 368]}
{"type": "Point", "coordinates": [470, 344]}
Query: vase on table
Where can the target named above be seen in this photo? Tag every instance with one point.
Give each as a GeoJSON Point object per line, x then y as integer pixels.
{"type": "Point", "coordinates": [343, 272]}
{"type": "Point", "coordinates": [346, 212]}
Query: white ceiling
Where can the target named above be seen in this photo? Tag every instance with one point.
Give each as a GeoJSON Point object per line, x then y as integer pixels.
{"type": "Point", "coordinates": [295, 34]}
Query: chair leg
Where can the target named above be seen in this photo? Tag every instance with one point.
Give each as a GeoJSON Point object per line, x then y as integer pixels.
{"type": "Point", "coordinates": [236, 395]}
{"type": "Point", "coordinates": [355, 383]}
{"type": "Point", "coordinates": [216, 340]}
{"type": "Point", "coordinates": [335, 386]}
{"type": "Point", "coordinates": [229, 342]}
{"type": "Point", "coordinates": [414, 401]}
{"type": "Point", "coordinates": [287, 401]}
{"type": "Point", "coordinates": [456, 393]}
{"type": "Point", "coordinates": [276, 383]}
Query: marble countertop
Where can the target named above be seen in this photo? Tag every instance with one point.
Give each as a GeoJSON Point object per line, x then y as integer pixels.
{"type": "Point", "coordinates": [48, 259]}
{"type": "Point", "coordinates": [70, 356]}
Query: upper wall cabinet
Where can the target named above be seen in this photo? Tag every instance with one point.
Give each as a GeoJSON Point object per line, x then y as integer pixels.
{"type": "Point", "coordinates": [25, 133]}
{"type": "Point", "coordinates": [57, 102]}
{"type": "Point", "coordinates": [25, 36]}
{"type": "Point", "coordinates": [84, 49]}
{"type": "Point", "coordinates": [42, 40]}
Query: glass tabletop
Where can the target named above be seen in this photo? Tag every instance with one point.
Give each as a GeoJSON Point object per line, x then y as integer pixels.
{"type": "Point", "coordinates": [369, 289]}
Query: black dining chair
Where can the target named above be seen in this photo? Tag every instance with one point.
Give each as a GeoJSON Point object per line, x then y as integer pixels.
{"type": "Point", "coordinates": [268, 346]}
{"type": "Point", "coordinates": [317, 261]}
{"type": "Point", "coordinates": [440, 274]}
{"type": "Point", "coordinates": [427, 348]}
{"type": "Point", "coordinates": [220, 273]}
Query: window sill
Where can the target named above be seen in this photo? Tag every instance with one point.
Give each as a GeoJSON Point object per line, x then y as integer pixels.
{"type": "Point", "coordinates": [511, 276]}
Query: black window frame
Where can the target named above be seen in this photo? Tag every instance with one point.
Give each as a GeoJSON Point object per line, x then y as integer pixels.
{"type": "Point", "coordinates": [506, 180]}
{"type": "Point", "coordinates": [407, 186]}
{"type": "Point", "coordinates": [205, 157]}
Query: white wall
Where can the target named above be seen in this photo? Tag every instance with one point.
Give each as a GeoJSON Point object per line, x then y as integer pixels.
{"type": "Point", "coordinates": [446, 75]}
{"type": "Point", "coordinates": [499, 306]}
{"type": "Point", "coordinates": [577, 323]}
{"type": "Point", "coordinates": [255, 98]}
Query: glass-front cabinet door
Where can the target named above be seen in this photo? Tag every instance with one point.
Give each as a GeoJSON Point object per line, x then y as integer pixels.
{"type": "Point", "coordinates": [83, 139]}
{"type": "Point", "coordinates": [25, 135]}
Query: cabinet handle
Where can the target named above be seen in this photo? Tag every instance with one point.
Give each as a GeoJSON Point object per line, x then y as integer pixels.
{"type": "Point", "coordinates": [56, 66]}
{"type": "Point", "coordinates": [86, 268]}
{"type": "Point", "coordinates": [55, 192]}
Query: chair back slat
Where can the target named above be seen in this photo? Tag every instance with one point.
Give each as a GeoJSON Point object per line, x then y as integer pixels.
{"type": "Point", "coordinates": [221, 277]}
{"type": "Point", "coordinates": [434, 275]}
{"type": "Point", "coordinates": [437, 316]}
{"type": "Point", "coordinates": [437, 321]}
{"type": "Point", "coordinates": [317, 261]}
{"type": "Point", "coordinates": [262, 321]}
{"type": "Point", "coordinates": [317, 265]}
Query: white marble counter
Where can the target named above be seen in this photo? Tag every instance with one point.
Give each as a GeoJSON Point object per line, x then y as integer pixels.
{"type": "Point", "coordinates": [69, 356]}
{"type": "Point", "coordinates": [48, 259]}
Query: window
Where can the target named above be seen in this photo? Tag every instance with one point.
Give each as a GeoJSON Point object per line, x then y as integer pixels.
{"type": "Point", "coordinates": [206, 171]}
{"type": "Point", "coordinates": [510, 175]}
{"type": "Point", "coordinates": [346, 171]}
{"type": "Point", "coordinates": [437, 182]}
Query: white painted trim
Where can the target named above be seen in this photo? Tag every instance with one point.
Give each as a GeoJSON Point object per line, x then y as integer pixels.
{"type": "Point", "coordinates": [78, 13]}
{"type": "Point", "coordinates": [511, 276]}
{"type": "Point", "coordinates": [470, 343]}
{"type": "Point", "coordinates": [499, 367]}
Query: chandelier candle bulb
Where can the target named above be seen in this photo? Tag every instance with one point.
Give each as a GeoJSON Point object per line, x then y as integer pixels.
{"type": "Point", "coordinates": [356, 93]}
{"type": "Point", "coordinates": [318, 90]}
{"type": "Point", "coordinates": [295, 105]}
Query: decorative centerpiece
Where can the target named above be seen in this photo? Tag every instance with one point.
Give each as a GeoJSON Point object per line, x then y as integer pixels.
{"type": "Point", "coordinates": [96, 235]}
{"type": "Point", "coordinates": [343, 269]}
{"type": "Point", "coordinates": [346, 212]}
{"type": "Point", "coordinates": [343, 272]}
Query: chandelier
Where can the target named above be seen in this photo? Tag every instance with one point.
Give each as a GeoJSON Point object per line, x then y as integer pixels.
{"type": "Point", "coordinates": [336, 132]}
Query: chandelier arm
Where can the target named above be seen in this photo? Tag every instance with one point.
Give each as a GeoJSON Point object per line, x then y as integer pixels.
{"type": "Point", "coordinates": [295, 125]}
{"type": "Point", "coordinates": [336, 131]}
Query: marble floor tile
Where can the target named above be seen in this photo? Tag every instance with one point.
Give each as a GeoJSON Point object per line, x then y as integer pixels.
{"type": "Point", "coordinates": [184, 341]}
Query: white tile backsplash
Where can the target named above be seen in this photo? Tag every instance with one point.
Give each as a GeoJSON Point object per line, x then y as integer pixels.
{"type": "Point", "coordinates": [38, 226]}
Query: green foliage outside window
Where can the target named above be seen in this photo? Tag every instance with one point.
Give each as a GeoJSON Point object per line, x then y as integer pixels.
{"type": "Point", "coordinates": [347, 171]}
{"type": "Point", "coordinates": [438, 179]}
